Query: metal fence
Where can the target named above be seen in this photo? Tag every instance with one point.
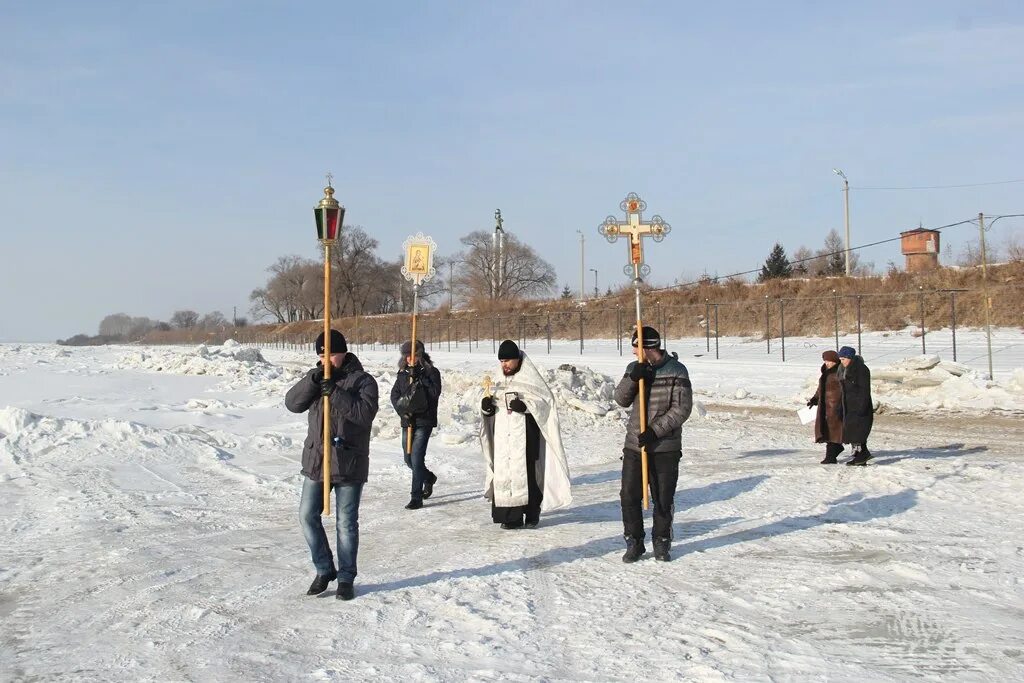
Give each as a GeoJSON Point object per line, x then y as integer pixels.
{"type": "Point", "coordinates": [933, 318]}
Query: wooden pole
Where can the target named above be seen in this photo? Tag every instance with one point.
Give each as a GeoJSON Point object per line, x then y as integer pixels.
{"type": "Point", "coordinates": [327, 375]}
{"type": "Point", "coordinates": [642, 395]}
{"type": "Point", "coordinates": [411, 361]}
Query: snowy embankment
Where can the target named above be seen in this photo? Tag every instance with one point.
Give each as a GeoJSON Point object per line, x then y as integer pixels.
{"type": "Point", "coordinates": [150, 532]}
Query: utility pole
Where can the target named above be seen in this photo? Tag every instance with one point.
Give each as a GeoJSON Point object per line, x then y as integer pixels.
{"type": "Point", "coordinates": [594, 271]}
{"type": "Point", "coordinates": [451, 273]}
{"type": "Point", "coordinates": [498, 250]}
{"type": "Point", "coordinates": [582, 268]}
{"type": "Point", "coordinates": [846, 206]}
{"type": "Point", "coordinates": [984, 288]}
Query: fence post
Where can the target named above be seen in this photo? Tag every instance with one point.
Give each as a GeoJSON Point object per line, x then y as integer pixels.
{"type": "Point", "coordinates": [767, 326]}
{"type": "Point", "coordinates": [859, 345]}
{"type": "Point", "coordinates": [782, 326]}
{"type": "Point", "coordinates": [921, 295]}
{"type": "Point", "coordinates": [494, 337]}
{"type": "Point", "coordinates": [549, 332]}
{"type": "Point", "coordinates": [581, 331]}
{"type": "Point", "coordinates": [835, 315]}
{"type": "Point", "coordinates": [716, 331]}
{"type": "Point", "coordinates": [618, 327]}
{"type": "Point", "coordinates": [952, 318]}
{"type": "Point", "coordinates": [707, 322]}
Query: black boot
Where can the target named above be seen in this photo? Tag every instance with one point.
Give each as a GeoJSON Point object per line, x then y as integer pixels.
{"type": "Point", "coordinates": [634, 549]}
{"type": "Point", "coordinates": [345, 591]}
{"type": "Point", "coordinates": [321, 582]}
{"type": "Point", "coordinates": [414, 504]}
{"type": "Point", "coordinates": [832, 452]}
{"type": "Point", "coordinates": [661, 546]}
{"type": "Point", "coordinates": [512, 525]}
{"type": "Point", "coordinates": [428, 485]}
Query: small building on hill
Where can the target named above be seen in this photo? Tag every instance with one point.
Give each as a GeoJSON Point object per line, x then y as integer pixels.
{"type": "Point", "coordinates": [921, 248]}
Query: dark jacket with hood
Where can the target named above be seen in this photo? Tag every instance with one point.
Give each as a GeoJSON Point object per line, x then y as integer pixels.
{"type": "Point", "coordinates": [858, 409]}
{"type": "Point", "coordinates": [669, 403]}
{"type": "Point", "coordinates": [828, 427]}
{"type": "Point", "coordinates": [415, 400]}
{"type": "Point", "coordinates": [353, 407]}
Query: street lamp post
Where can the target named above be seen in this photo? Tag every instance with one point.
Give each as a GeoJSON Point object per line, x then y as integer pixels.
{"type": "Point", "coordinates": [582, 269]}
{"type": "Point", "coordinates": [594, 271]}
{"type": "Point", "coordinates": [329, 216]}
{"type": "Point", "coordinates": [846, 207]}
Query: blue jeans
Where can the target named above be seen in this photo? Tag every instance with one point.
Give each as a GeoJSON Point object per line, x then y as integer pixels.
{"type": "Point", "coordinates": [417, 459]}
{"type": "Point", "coordinates": [346, 524]}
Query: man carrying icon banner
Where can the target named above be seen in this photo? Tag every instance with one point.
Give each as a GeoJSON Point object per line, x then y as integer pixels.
{"type": "Point", "coordinates": [522, 444]}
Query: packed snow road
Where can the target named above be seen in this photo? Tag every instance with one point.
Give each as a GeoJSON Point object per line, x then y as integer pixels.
{"type": "Point", "coordinates": [150, 532]}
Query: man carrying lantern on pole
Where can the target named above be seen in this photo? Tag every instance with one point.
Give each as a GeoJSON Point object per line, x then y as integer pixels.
{"type": "Point", "coordinates": [657, 387]}
{"type": "Point", "coordinates": [341, 400]}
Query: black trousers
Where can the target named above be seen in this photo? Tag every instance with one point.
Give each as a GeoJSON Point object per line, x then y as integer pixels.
{"type": "Point", "coordinates": [535, 495]}
{"type": "Point", "coordinates": [663, 473]}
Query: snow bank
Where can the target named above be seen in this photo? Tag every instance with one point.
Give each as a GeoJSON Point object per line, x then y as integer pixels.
{"type": "Point", "coordinates": [245, 364]}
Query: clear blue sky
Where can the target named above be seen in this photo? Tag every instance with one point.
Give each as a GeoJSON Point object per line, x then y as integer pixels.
{"type": "Point", "coordinates": [157, 156]}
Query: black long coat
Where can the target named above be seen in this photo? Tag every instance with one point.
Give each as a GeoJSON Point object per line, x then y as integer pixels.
{"type": "Point", "coordinates": [828, 426]}
{"type": "Point", "coordinates": [858, 408]}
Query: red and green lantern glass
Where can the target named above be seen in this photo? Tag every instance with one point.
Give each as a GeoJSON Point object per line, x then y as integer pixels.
{"type": "Point", "coordinates": [329, 216]}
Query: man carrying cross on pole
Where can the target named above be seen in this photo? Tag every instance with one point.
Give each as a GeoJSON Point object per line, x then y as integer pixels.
{"type": "Point", "coordinates": [657, 388]}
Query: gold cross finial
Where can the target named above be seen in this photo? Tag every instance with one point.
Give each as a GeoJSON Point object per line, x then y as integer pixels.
{"type": "Point", "coordinates": [487, 385]}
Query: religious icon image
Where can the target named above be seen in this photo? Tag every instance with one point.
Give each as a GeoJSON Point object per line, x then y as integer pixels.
{"type": "Point", "coordinates": [418, 259]}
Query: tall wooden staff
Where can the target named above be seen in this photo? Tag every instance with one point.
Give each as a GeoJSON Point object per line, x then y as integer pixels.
{"type": "Point", "coordinates": [636, 229]}
{"type": "Point", "coordinates": [329, 216]}
{"type": "Point", "coordinates": [418, 268]}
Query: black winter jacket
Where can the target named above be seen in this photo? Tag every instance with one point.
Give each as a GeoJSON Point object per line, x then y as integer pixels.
{"type": "Point", "coordinates": [353, 407]}
{"type": "Point", "coordinates": [416, 401]}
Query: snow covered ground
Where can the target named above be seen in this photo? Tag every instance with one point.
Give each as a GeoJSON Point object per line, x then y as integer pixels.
{"type": "Point", "coordinates": [149, 518]}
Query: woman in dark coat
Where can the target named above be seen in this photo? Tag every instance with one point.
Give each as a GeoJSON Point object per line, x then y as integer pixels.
{"type": "Point", "coordinates": [828, 426]}
{"type": "Point", "coordinates": [858, 408]}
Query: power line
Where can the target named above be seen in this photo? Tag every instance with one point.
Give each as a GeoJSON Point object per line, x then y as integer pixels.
{"type": "Point", "coordinates": [941, 187]}
{"type": "Point", "coordinates": [819, 256]}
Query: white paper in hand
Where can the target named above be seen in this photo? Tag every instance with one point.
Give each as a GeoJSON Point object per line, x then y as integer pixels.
{"type": "Point", "coordinates": [807, 415]}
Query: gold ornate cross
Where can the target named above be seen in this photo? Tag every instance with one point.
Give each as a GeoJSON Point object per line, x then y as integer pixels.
{"type": "Point", "coordinates": [635, 229]}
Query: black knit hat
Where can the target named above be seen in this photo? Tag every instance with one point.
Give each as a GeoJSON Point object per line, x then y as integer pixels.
{"type": "Point", "coordinates": [508, 350]}
{"type": "Point", "coordinates": [338, 344]}
{"type": "Point", "coordinates": [652, 340]}
{"type": "Point", "coordinates": [407, 347]}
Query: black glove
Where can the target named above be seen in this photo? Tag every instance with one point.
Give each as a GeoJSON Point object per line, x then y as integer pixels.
{"type": "Point", "coordinates": [647, 437]}
{"type": "Point", "coordinates": [327, 385]}
{"type": "Point", "coordinates": [642, 371]}
{"type": "Point", "coordinates": [414, 372]}
{"type": "Point", "coordinates": [812, 402]}
{"type": "Point", "coordinates": [487, 405]}
{"type": "Point", "coordinates": [517, 406]}
{"type": "Point", "coordinates": [318, 373]}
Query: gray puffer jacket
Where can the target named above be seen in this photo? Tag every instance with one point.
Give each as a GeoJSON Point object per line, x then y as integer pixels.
{"type": "Point", "coordinates": [669, 402]}
{"type": "Point", "coordinates": [353, 407]}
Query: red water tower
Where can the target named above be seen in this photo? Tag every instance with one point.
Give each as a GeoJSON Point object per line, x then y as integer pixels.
{"type": "Point", "coordinates": [921, 247]}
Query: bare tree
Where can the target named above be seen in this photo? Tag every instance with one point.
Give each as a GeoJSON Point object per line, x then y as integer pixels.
{"type": "Point", "coordinates": [213, 320]}
{"type": "Point", "coordinates": [803, 261]}
{"type": "Point", "coordinates": [355, 271]}
{"type": "Point", "coordinates": [116, 325]}
{"type": "Point", "coordinates": [184, 320]}
{"type": "Point", "coordinates": [524, 273]}
{"type": "Point", "coordinates": [1014, 248]}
